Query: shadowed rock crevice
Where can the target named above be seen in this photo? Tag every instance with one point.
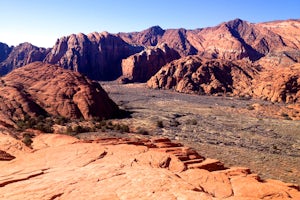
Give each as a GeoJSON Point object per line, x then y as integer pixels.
{"type": "Point", "coordinates": [26, 177]}
{"type": "Point", "coordinates": [4, 156]}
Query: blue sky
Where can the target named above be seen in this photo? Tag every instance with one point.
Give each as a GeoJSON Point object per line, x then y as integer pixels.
{"type": "Point", "coordinates": [41, 22]}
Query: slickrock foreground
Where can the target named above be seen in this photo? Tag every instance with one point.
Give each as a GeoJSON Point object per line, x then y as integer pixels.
{"type": "Point", "coordinates": [62, 167]}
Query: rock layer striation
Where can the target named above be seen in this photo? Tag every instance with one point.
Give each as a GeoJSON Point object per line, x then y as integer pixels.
{"type": "Point", "coordinates": [49, 90]}
{"type": "Point", "coordinates": [115, 168]}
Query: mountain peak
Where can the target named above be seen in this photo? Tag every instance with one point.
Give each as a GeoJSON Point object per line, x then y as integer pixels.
{"type": "Point", "coordinates": [155, 30]}
{"type": "Point", "coordinates": [236, 23]}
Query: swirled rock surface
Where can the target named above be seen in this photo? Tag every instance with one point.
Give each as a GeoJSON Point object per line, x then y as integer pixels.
{"type": "Point", "coordinates": [128, 168]}
{"type": "Point", "coordinates": [46, 89]}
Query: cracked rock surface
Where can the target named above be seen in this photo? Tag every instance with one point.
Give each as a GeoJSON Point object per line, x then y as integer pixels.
{"type": "Point", "coordinates": [63, 167]}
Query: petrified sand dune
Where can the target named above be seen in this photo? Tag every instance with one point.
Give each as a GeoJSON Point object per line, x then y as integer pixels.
{"type": "Point", "coordinates": [115, 168]}
{"type": "Point", "coordinates": [193, 74]}
{"type": "Point", "coordinates": [45, 89]}
{"type": "Point", "coordinates": [280, 84]}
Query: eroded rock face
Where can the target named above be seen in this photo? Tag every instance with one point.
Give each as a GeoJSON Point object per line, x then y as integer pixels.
{"type": "Point", "coordinates": [21, 55]}
{"type": "Point", "coordinates": [128, 168]}
{"type": "Point", "coordinates": [280, 84]}
{"type": "Point", "coordinates": [45, 89]}
{"type": "Point", "coordinates": [4, 156]}
{"type": "Point", "coordinates": [194, 74]}
{"type": "Point", "coordinates": [276, 42]}
{"type": "Point", "coordinates": [99, 55]}
{"type": "Point", "coordinates": [174, 38]}
{"type": "Point", "coordinates": [140, 67]}
{"type": "Point", "coordinates": [4, 51]}
{"type": "Point", "coordinates": [96, 55]}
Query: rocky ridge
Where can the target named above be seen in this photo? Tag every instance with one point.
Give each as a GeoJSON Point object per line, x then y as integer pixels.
{"type": "Point", "coordinates": [4, 51]}
{"type": "Point", "coordinates": [194, 74]}
{"type": "Point", "coordinates": [21, 55]}
{"type": "Point", "coordinates": [232, 40]}
{"type": "Point", "coordinates": [281, 84]}
{"type": "Point", "coordinates": [115, 168]}
{"type": "Point", "coordinates": [99, 55]}
{"type": "Point", "coordinates": [96, 55]}
{"type": "Point", "coordinates": [141, 66]}
{"type": "Point", "coordinates": [136, 56]}
{"type": "Point", "coordinates": [49, 90]}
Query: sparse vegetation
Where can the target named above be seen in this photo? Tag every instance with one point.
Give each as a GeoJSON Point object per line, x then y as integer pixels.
{"type": "Point", "coordinates": [250, 107]}
{"type": "Point", "coordinates": [42, 123]}
{"type": "Point", "coordinates": [286, 116]}
{"type": "Point", "coordinates": [174, 123]}
{"type": "Point", "coordinates": [191, 122]}
{"type": "Point", "coordinates": [159, 124]}
{"type": "Point", "coordinates": [60, 120]}
{"type": "Point", "coordinates": [142, 131]}
{"type": "Point", "coordinates": [27, 139]}
{"type": "Point", "coordinates": [108, 125]}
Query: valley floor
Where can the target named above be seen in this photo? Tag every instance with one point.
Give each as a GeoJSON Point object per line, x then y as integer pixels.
{"type": "Point", "coordinates": [238, 132]}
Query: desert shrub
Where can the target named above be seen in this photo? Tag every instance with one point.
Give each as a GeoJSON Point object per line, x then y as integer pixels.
{"type": "Point", "coordinates": [124, 128]}
{"type": "Point", "coordinates": [27, 139]}
{"type": "Point", "coordinates": [191, 122]}
{"type": "Point", "coordinates": [142, 131]}
{"type": "Point", "coordinates": [60, 120]}
{"type": "Point", "coordinates": [108, 125]}
{"type": "Point", "coordinates": [286, 116]}
{"type": "Point", "coordinates": [250, 107]}
{"type": "Point", "coordinates": [40, 123]}
{"type": "Point", "coordinates": [69, 130]}
{"type": "Point", "coordinates": [80, 129]}
{"type": "Point", "coordinates": [43, 124]}
{"type": "Point", "coordinates": [174, 123]}
{"type": "Point", "coordinates": [159, 124]}
{"type": "Point", "coordinates": [21, 124]}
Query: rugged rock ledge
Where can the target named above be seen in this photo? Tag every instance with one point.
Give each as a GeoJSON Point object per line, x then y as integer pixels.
{"type": "Point", "coordinates": [62, 167]}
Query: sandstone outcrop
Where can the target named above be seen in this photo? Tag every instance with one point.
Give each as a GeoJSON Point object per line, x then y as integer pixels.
{"type": "Point", "coordinates": [280, 84]}
{"type": "Point", "coordinates": [96, 55]}
{"type": "Point", "coordinates": [99, 55]}
{"type": "Point", "coordinates": [21, 55]}
{"type": "Point", "coordinates": [278, 41]}
{"type": "Point", "coordinates": [176, 39]}
{"type": "Point", "coordinates": [140, 67]}
{"type": "Point", "coordinates": [194, 74]}
{"type": "Point", "coordinates": [128, 168]}
{"type": "Point", "coordinates": [4, 156]}
{"type": "Point", "coordinates": [4, 51]}
{"type": "Point", "coordinates": [45, 89]}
